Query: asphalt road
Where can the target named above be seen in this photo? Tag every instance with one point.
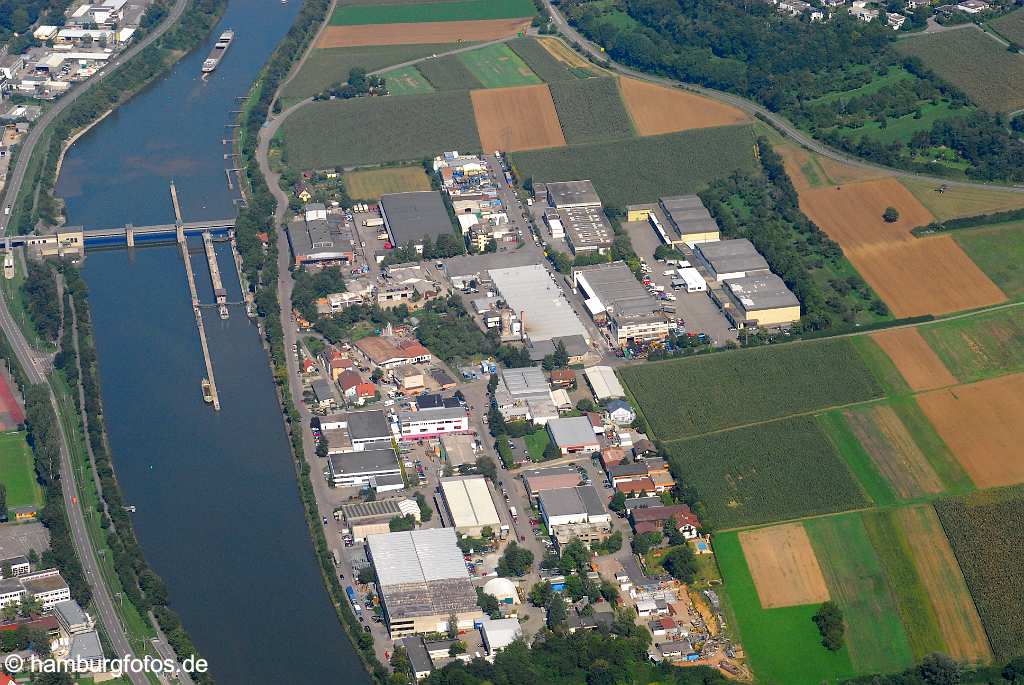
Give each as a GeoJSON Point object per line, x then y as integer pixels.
{"type": "Point", "coordinates": [27, 146]}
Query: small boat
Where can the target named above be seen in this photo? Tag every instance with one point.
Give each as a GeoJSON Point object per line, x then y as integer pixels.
{"type": "Point", "coordinates": [9, 265]}
{"type": "Point", "coordinates": [207, 392]}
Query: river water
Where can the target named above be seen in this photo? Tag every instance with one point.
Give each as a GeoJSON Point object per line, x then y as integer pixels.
{"type": "Point", "coordinates": [218, 511]}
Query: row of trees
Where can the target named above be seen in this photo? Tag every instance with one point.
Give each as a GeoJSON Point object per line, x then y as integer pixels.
{"type": "Point", "coordinates": [358, 84]}
{"type": "Point", "coordinates": [40, 295]}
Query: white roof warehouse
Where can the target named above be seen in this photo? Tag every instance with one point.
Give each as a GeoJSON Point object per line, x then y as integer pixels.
{"type": "Point", "coordinates": [469, 504]}
{"type": "Point", "coordinates": [543, 309]}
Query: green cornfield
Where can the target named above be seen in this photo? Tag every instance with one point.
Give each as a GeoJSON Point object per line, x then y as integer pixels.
{"type": "Point", "coordinates": [591, 110]}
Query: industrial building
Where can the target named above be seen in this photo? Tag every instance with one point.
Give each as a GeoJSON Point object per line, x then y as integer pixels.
{"type": "Point", "coordinates": [459, 449]}
{"type": "Point", "coordinates": [727, 259]}
{"type": "Point", "coordinates": [432, 423]}
{"type": "Point", "coordinates": [614, 297]}
{"type": "Point", "coordinates": [468, 505]}
{"type": "Point", "coordinates": [603, 383]}
{"type": "Point", "coordinates": [422, 580]}
{"type": "Point", "coordinates": [575, 512]}
{"type": "Point", "coordinates": [568, 194]}
{"type": "Point", "coordinates": [690, 220]}
{"type": "Point", "coordinates": [543, 311]}
{"type": "Point", "coordinates": [552, 478]}
{"type": "Point", "coordinates": [579, 217]}
{"type": "Point", "coordinates": [411, 217]}
{"type": "Point", "coordinates": [499, 633]}
{"type": "Point", "coordinates": [358, 469]}
{"type": "Point", "coordinates": [370, 518]}
{"type": "Point", "coordinates": [386, 352]}
{"type": "Point", "coordinates": [523, 394]}
{"type": "Point", "coordinates": [573, 435]}
{"type": "Point", "coordinates": [317, 238]}
{"type": "Point", "coordinates": [419, 659]}
{"type": "Point", "coordinates": [761, 301]}
{"type": "Point", "coordinates": [364, 429]}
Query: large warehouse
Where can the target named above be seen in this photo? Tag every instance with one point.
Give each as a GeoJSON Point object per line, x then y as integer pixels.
{"type": "Point", "coordinates": [612, 295]}
{"type": "Point", "coordinates": [763, 301]}
{"type": "Point", "coordinates": [410, 217]}
{"type": "Point", "coordinates": [468, 505]}
{"type": "Point", "coordinates": [422, 580]}
{"type": "Point", "coordinates": [727, 259]}
{"type": "Point", "coordinates": [575, 512]}
{"type": "Point", "coordinates": [690, 219]}
{"type": "Point", "coordinates": [539, 302]}
{"type": "Point", "coordinates": [565, 194]}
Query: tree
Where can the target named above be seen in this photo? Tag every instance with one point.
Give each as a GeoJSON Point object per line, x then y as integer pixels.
{"type": "Point", "coordinates": [891, 215]}
{"type": "Point", "coordinates": [1014, 671]}
{"type": "Point", "coordinates": [610, 545]}
{"type": "Point", "coordinates": [516, 561]}
{"type": "Point", "coordinates": [551, 451]}
{"type": "Point", "coordinates": [939, 669]}
{"type": "Point", "coordinates": [540, 593]}
{"type": "Point", "coordinates": [400, 661]}
{"type": "Point", "coordinates": [488, 468]}
{"type": "Point", "coordinates": [556, 612]}
{"type": "Point", "coordinates": [561, 356]}
{"type": "Point", "coordinates": [366, 575]}
{"type": "Point", "coordinates": [585, 405]}
{"type": "Point", "coordinates": [458, 647]}
{"type": "Point", "coordinates": [679, 562]}
{"type": "Point", "coordinates": [643, 543]}
{"type": "Point", "coordinates": [829, 619]}
{"type": "Point", "coordinates": [489, 604]}
{"type": "Point", "coordinates": [402, 523]}
{"type": "Point", "coordinates": [426, 511]}
{"type": "Point", "coordinates": [575, 557]}
{"type": "Point", "coordinates": [453, 626]}
{"type": "Point", "coordinates": [618, 502]}
{"type": "Point", "coordinates": [322, 447]}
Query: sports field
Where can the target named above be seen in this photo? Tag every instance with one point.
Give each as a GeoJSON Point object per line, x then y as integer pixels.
{"type": "Point", "coordinates": [981, 346]}
{"type": "Point", "coordinates": [858, 584]}
{"type": "Point", "coordinates": [11, 413]}
{"type": "Point", "coordinates": [765, 473]}
{"type": "Point", "coordinates": [644, 169]}
{"type": "Point", "coordinates": [656, 109]}
{"type": "Point", "coordinates": [406, 81]}
{"type": "Point", "coordinates": [591, 110]}
{"type": "Point", "coordinates": [413, 33]}
{"type": "Point", "coordinates": [449, 10]}
{"type": "Point", "coordinates": [326, 67]}
{"type": "Point", "coordinates": [521, 118]}
{"type": "Point", "coordinates": [916, 361]}
{"type": "Point", "coordinates": [998, 250]}
{"type": "Point", "coordinates": [815, 376]}
{"type": "Point", "coordinates": [913, 276]}
{"type": "Point", "coordinates": [370, 184]}
{"type": "Point", "coordinates": [981, 423]}
{"type": "Point", "coordinates": [991, 76]}
{"type": "Point", "coordinates": [379, 130]}
{"type": "Point", "coordinates": [496, 66]}
{"type": "Point", "coordinates": [17, 472]}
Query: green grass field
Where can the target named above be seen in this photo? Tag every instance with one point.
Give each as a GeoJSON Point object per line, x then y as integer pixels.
{"type": "Point", "coordinates": [454, 10]}
{"type": "Point", "coordinates": [877, 83]}
{"type": "Point", "coordinates": [378, 130]}
{"type": "Point", "coordinates": [903, 128]}
{"type": "Point", "coordinates": [979, 347]}
{"type": "Point", "coordinates": [17, 472]}
{"type": "Point", "coordinates": [406, 81]}
{"type": "Point", "coordinates": [1010, 26]}
{"type": "Point", "coordinates": [644, 169]}
{"type": "Point", "coordinates": [496, 66]}
{"type": "Point", "coordinates": [535, 444]}
{"type": "Point", "coordinates": [999, 252]}
{"type": "Point", "coordinates": [591, 110]}
{"type": "Point", "coordinates": [912, 601]}
{"type": "Point", "coordinates": [541, 61]}
{"type": "Point", "coordinates": [370, 184]}
{"type": "Point", "coordinates": [448, 73]}
{"type": "Point", "coordinates": [747, 386]}
{"type": "Point", "coordinates": [874, 635]}
{"type": "Point", "coordinates": [783, 645]}
{"type": "Point", "coordinates": [327, 66]}
{"type": "Point", "coordinates": [859, 461]}
{"type": "Point", "coordinates": [769, 472]}
{"type": "Point", "coordinates": [990, 75]}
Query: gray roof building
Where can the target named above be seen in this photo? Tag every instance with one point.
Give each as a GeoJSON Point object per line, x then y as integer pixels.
{"type": "Point", "coordinates": [612, 289]}
{"type": "Point", "coordinates": [410, 217]}
{"type": "Point", "coordinates": [575, 345]}
{"type": "Point", "coordinates": [418, 656]}
{"type": "Point", "coordinates": [71, 617]}
{"type": "Point", "coordinates": [530, 292]}
{"type": "Point", "coordinates": [687, 214]}
{"type": "Point", "coordinates": [368, 462]}
{"type": "Point", "coordinates": [581, 499]}
{"type": "Point", "coordinates": [763, 291]}
{"type": "Point", "coordinates": [526, 382]}
{"type": "Point", "coordinates": [643, 502]}
{"type": "Point", "coordinates": [587, 229]}
{"type": "Point", "coordinates": [368, 425]}
{"type": "Point", "coordinates": [572, 432]}
{"type": "Point", "coordinates": [572, 194]}
{"type": "Point", "coordinates": [85, 647]}
{"type": "Point", "coordinates": [731, 258]}
{"type": "Point", "coordinates": [377, 509]}
{"type": "Point", "coordinates": [320, 240]}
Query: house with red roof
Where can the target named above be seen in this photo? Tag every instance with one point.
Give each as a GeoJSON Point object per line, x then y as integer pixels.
{"type": "Point", "coordinates": [649, 519]}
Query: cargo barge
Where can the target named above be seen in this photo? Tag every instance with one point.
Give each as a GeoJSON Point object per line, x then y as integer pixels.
{"type": "Point", "coordinates": [217, 54]}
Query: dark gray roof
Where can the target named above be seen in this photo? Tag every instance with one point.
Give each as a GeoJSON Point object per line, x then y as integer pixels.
{"type": "Point", "coordinates": [320, 239]}
{"type": "Point", "coordinates": [366, 461]}
{"type": "Point", "coordinates": [85, 646]}
{"type": "Point", "coordinates": [417, 653]}
{"type": "Point", "coordinates": [381, 508]}
{"type": "Point", "coordinates": [411, 216]}
{"type": "Point", "coordinates": [617, 289]}
{"type": "Point", "coordinates": [642, 502]}
{"type": "Point", "coordinates": [363, 425]}
{"type": "Point", "coordinates": [763, 291]}
{"type": "Point", "coordinates": [729, 256]}
{"type": "Point", "coordinates": [581, 499]}
{"type": "Point", "coordinates": [562, 193]}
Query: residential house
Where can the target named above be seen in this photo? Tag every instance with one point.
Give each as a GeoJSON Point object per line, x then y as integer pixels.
{"type": "Point", "coordinates": [620, 413]}
{"type": "Point", "coordinates": [387, 352]}
{"type": "Point", "coordinates": [650, 519]}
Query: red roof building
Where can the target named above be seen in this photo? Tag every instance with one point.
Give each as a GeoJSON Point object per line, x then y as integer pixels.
{"type": "Point", "coordinates": [648, 519]}
{"type": "Point", "coordinates": [308, 365]}
{"type": "Point", "coordinates": [642, 486]}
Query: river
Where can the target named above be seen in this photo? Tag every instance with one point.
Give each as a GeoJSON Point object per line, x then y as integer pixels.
{"type": "Point", "coordinates": [218, 511]}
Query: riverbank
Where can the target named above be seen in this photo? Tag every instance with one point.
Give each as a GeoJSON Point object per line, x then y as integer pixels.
{"type": "Point", "coordinates": [264, 269]}
{"type": "Point", "coordinates": [71, 141]}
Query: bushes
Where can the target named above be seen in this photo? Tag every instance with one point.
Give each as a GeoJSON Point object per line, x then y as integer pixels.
{"type": "Point", "coordinates": [829, 619]}
{"type": "Point", "coordinates": [40, 289]}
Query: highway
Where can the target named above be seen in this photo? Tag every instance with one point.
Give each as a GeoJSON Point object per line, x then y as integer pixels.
{"type": "Point", "coordinates": [36, 366]}
{"type": "Point", "coordinates": [25, 149]}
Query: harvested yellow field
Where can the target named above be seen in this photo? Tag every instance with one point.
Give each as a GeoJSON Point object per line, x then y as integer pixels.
{"type": "Point", "coordinates": [783, 566]}
{"type": "Point", "coordinates": [419, 33]}
{"type": "Point", "coordinates": [563, 53]}
{"type": "Point", "coordinates": [520, 118]}
{"type": "Point", "coordinates": [914, 358]}
{"type": "Point", "coordinates": [656, 109]}
{"type": "Point", "coordinates": [958, 201]}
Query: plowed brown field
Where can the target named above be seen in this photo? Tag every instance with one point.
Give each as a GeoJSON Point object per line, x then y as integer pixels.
{"type": "Point", "coordinates": [656, 109]}
{"type": "Point", "coordinates": [981, 424]}
{"type": "Point", "coordinates": [782, 563]}
{"type": "Point", "coordinates": [915, 359]}
{"type": "Point", "coordinates": [520, 118]}
{"type": "Point", "coordinates": [427, 32]}
{"type": "Point", "coordinates": [940, 574]}
{"type": "Point", "coordinates": [913, 276]}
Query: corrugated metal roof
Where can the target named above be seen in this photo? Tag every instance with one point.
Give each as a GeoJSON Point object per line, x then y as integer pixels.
{"type": "Point", "coordinates": [469, 502]}
{"type": "Point", "coordinates": [416, 556]}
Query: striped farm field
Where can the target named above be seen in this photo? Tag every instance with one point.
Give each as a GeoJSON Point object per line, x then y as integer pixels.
{"type": "Point", "coordinates": [548, 67]}
{"type": "Point", "coordinates": [496, 66]}
{"type": "Point", "coordinates": [521, 118]}
{"type": "Point", "coordinates": [978, 347]}
{"type": "Point", "coordinates": [951, 601]}
{"type": "Point", "coordinates": [450, 10]}
{"type": "Point", "coordinates": [591, 110]}
{"type": "Point", "coordinates": [998, 250]}
{"type": "Point", "coordinates": [657, 109]}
